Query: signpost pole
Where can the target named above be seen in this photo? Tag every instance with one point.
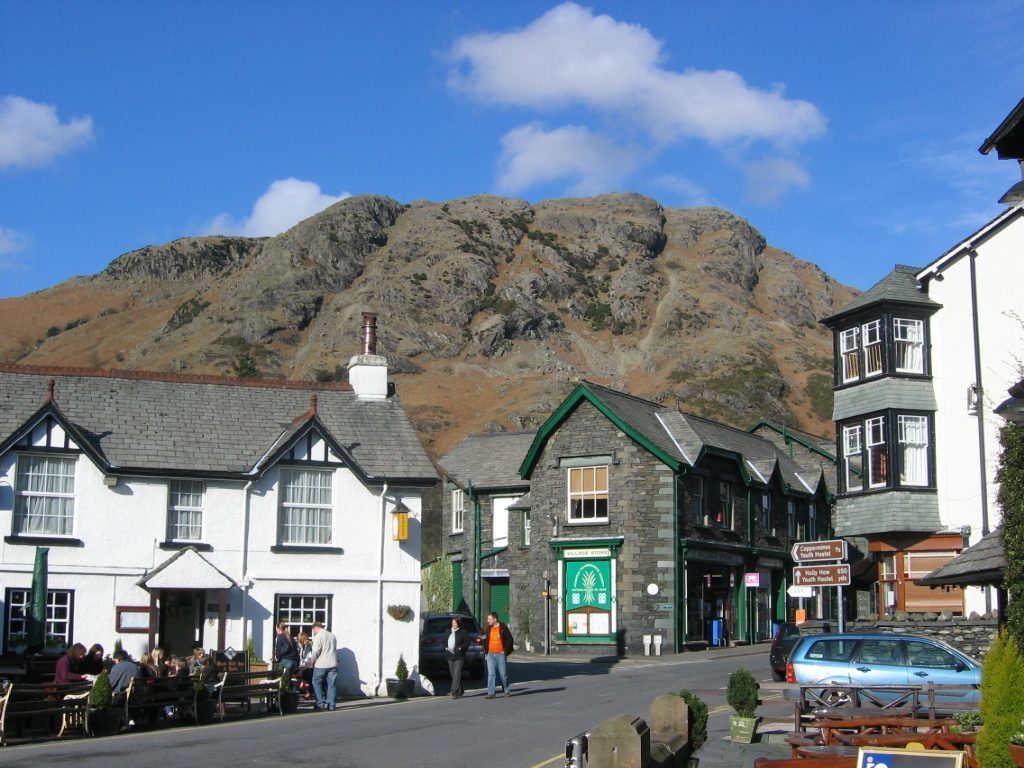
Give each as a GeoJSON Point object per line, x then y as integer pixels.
{"type": "Point", "coordinates": [842, 610]}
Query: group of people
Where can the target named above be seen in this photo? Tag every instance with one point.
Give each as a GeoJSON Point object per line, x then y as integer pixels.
{"type": "Point", "coordinates": [498, 646]}
{"type": "Point", "coordinates": [317, 660]}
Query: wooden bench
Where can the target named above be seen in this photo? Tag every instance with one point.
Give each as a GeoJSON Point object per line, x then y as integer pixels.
{"type": "Point", "coordinates": [806, 762]}
{"type": "Point", "coordinates": [245, 687]}
{"type": "Point", "coordinates": [26, 703]}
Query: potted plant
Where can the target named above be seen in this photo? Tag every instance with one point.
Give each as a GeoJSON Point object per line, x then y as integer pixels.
{"type": "Point", "coordinates": [104, 718]}
{"type": "Point", "coordinates": [968, 721]}
{"type": "Point", "coordinates": [698, 725]}
{"type": "Point", "coordinates": [289, 695]}
{"type": "Point", "coordinates": [17, 643]}
{"type": "Point", "coordinates": [400, 686]}
{"type": "Point", "coordinates": [54, 646]}
{"type": "Point", "coordinates": [256, 664]}
{"type": "Point", "coordinates": [1016, 747]}
{"type": "Point", "coordinates": [742, 697]}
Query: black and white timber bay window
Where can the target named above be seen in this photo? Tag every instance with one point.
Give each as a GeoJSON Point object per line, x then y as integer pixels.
{"type": "Point", "coordinates": [306, 507]}
{"type": "Point", "coordinates": [889, 345]}
{"type": "Point", "coordinates": [44, 495]}
{"type": "Point", "coordinates": [185, 510]}
{"type": "Point", "coordinates": [888, 450]}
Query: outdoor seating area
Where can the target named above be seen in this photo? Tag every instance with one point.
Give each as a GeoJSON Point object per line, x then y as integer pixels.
{"type": "Point", "coordinates": [831, 723]}
{"type": "Point", "coordinates": [43, 709]}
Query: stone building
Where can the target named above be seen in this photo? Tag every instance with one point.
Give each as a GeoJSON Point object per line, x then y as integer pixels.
{"type": "Point", "coordinates": [642, 520]}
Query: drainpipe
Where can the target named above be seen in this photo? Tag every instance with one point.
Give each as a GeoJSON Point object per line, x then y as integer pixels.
{"type": "Point", "coordinates": [477, 552]}
{"type": "Point", "coordinates": [244, 558]}
{"type": "Point", "coordinates": [972, 256]}
{"type": "Point", "coordinates": [677, 625]}
{"type": "Point", "coordinates": [380, 592]}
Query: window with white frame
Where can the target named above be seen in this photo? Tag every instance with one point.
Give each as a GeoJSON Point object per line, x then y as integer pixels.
{"type": "Point", "coordinates": [300, 612]}
{"type": "Point", "coordinates": [588, 494]}
{"type": "Point", "coordinates": [185, 510]}
{"type": "Point", "coordinates": [908, 345]}
{"type": "Point", "coordinates": [59, 615]}
{"type": "Point", "coordinates": [853, 458]}
{"type": "Point", "coordinates": [306, 511]}
{"type": "Point", "coordinates": [878, 453]}
{"type": "Point", "coordinates": [694, 488]}
{"type": "Point", "coordinates": [913, 448]}
{"type": "Point", "coordinates": [791, 528]}
{"type": "Point", "coordinates": [873, 351]}
{"type": "Point", "coordinates": [849, 353]}
{"type": "Point", "coordinates": [44, 495]}
{"type": "Point", "coordinates": [499, 520]}
{"type": "Point", "coordinates": [458, 510]}
{"type": "Point", "coordinates": [526, 528]}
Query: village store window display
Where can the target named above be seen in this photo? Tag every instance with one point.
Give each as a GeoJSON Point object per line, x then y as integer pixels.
{"type": "Point", "coordinates": [587, 589]}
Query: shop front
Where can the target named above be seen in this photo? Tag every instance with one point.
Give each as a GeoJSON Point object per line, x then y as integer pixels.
{"type": "Point", "coordinates": [713, 586]}
{"type": "Point", "coordinates": [587, 606]}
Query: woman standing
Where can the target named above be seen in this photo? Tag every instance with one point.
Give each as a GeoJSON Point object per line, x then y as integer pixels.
{"type": "Point", "coordinates": [285, 652]}
{"type": "Point", "coordinates": [456, 643]}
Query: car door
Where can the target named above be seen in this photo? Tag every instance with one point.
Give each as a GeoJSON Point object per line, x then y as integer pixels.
{"type": "Point", "coordinates": [878, 661]}
{"type": "Point", "coordinates": [931, 663]}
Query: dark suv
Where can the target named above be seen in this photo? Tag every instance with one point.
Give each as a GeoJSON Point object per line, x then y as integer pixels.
{"type": "Point", "coordinates": [785, 638]}
{"type": "Point", "coordinates": [432, 633]}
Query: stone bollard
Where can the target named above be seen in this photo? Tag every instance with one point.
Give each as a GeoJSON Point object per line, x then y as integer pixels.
{"type": "Point", "coordinates": [621, 742]}
{"type": "Point", "coordinates": [670, 731]}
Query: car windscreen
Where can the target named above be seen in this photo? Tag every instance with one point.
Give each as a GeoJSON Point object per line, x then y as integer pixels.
{"type": "Point", "coordinates": [440, 625]}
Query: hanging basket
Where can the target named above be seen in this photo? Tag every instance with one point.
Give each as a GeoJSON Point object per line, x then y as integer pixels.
{"type": "Point", "coordinates": [400, 612]}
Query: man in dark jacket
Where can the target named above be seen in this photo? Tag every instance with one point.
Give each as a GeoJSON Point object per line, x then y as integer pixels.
{"type": "Point", "coordinates": [497, 646]}
{"type": "Point", "coordinates": [456, 643]}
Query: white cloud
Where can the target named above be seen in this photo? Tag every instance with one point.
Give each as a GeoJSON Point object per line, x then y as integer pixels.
{"type": "Point", "coordinates": [530, 155]}
{"type": "Point", "coordinates": [570, 57]}
{"type": "Point", "coordinates": [32, 135]}
{"type": "Point", "coordinates": [285, 203]}
{"type": "Point", "coordinates": [12, 241]}
{"type": "Point", "coordinates": [687, 191]}
{"type": "Point", "coordinates": [769, 179]}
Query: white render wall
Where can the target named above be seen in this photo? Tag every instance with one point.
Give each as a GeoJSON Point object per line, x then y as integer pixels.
{"type": "Point", "coordinates": [122, 526]}
{"type": "Point", "coordinates": [999, 270]}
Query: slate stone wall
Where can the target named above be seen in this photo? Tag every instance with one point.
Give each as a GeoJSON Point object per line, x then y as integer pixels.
{"type": "Point", "coordinates": [971, 635]}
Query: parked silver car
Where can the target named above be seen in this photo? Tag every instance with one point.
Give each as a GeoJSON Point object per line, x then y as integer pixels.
{"type": "Point", "coordinates": [884, 659]}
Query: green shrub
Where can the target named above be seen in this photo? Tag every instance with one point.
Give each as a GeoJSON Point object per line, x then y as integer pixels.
{"type": "Point", "coordinates": [401, 670]}
{"type": "Point", "coordinates": [742, 692]}
{"type": "Point", "coordinates": [698, 718]}
{"type": "Point", "coordinates": [1002, 706]}
{"type": "Point", "coordinates": [101, 693]}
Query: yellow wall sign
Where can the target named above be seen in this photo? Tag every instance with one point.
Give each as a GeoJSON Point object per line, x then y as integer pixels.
{"type": "Point", "coordinates": [399, 525]}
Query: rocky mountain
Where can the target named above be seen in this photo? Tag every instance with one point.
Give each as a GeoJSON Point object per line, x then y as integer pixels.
{"type": "Point", "coordinates": [490, 309]}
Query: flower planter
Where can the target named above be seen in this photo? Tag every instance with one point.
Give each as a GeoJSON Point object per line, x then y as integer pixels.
{"type": "Point", "coordinates": [104, 721]}
{"type": "Point", "coordinates": [1017, 754]}
{"type": "Point", "coordinates": [401, 689]}
{"type": "Point", "coordinates": [743, 729]}
{"type": "Point", "coordinates": [289, 702]}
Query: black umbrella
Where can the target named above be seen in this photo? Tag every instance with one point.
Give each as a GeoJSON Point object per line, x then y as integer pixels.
{"type": "Point", "coordinates": [37, 614]}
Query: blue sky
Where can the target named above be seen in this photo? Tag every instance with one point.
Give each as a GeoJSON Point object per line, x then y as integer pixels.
{"type": "Point", "coordinates": [847, 133]}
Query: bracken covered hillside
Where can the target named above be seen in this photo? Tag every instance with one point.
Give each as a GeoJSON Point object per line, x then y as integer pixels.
{"type": "Point", "coordinates": [490, 309]}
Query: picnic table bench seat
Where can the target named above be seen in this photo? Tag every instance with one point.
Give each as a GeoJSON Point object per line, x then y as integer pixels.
{"type": "Point", "coordinates": [245, 687]}
{"type": "Point", "coordinates": [23, 704]}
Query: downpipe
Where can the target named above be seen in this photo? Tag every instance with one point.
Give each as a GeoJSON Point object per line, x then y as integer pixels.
{"type": "Point", "coordinates": [379, 673]}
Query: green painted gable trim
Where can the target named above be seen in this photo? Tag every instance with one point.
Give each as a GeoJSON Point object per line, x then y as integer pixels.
{"type": "Point", "coordinates": [582, 392]}
{"type": "Point", "coordinates": [786, 434]}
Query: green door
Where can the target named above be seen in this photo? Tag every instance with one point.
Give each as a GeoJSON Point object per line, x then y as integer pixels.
{"type": "Point", "coordinates": [499, 599]}
{"type": "Point", "coordinates": [456, 585]}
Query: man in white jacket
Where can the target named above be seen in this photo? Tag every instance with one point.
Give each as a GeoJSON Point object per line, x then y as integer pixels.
{"type": "Point", "coordinates": [325, 665]}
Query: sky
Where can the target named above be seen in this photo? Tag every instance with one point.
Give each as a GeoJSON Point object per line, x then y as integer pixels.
{"type": "Point", "coordinates": [847, 133]}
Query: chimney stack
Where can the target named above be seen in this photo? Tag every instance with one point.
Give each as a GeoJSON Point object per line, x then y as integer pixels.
{"type": "Point", "coordinates": [368, 371]}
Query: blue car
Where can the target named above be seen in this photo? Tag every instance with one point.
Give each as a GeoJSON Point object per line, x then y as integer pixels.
{"type": "Point", "coordinates": [884, 659]}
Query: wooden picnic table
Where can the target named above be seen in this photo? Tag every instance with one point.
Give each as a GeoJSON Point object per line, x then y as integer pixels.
{"type": "Point", "coordinates": [833, 750]}
{"type": "Point", "coordinates": [831, 724]}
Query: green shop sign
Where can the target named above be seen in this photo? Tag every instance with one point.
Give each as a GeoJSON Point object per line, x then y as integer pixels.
{"type": "Point", "coordinates": [588, 597]}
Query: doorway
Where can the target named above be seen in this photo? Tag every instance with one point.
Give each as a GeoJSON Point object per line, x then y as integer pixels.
{"type": "Point", "coordinates": [181, 621]}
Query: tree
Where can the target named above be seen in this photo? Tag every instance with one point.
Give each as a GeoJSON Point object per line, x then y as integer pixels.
{"type": "Point", "coordinates": [1010, 477]}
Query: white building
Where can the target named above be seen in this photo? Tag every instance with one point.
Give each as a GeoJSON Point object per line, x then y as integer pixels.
{"type": "Point", "coordinates": [923, 358]}
{"type": "Point", "coordinates": [183, 510]}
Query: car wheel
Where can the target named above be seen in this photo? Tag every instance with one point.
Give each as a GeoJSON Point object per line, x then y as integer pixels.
{"type": "Point", "coordinates": [778, 677]}
{"type": "Point", "coordinates": [476, 672]}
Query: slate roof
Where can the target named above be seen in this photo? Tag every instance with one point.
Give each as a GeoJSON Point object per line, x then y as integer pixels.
{"type": "Point", "coordinates": [685, 437]}
{"type": "Point", "coordinates": [140, 422]}
{"type": "Point", "coordinates": [898, 287]}
{"type": "Point", "coordinates": [489, 460]}
{"type": "Point", "coordinates": [982, 563]}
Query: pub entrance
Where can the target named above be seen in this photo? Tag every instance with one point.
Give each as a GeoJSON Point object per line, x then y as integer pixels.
{"type": "Point", "coordinates": [181, 620]}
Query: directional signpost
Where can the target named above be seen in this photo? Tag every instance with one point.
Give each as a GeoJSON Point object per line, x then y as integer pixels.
{"type": "Point", "coordinates": [822, 574]}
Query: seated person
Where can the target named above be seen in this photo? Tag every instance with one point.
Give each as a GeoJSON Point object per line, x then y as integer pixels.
{"type": "Point", "coordinates": [124, 671]}
{"type": "Point", "coordinates": [195, 661]}
{"type": "Point", "coordinates": [93, 664]}
{"type": "Point", "coordinates": [69, 664]}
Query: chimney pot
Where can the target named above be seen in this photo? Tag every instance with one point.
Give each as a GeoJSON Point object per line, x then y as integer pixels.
{"type": "Point", "coordinates": [369, 335]}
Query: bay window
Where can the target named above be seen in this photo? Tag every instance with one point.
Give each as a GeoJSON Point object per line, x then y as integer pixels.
{"type": "Point", "coordinates": [853, 460]}
{"type": "Point", "coordinates": [878, 453]}
{"type": "Point", "coordinates": [872, 334]}
{"type": "Point", "coordinates": [849, 352]}
{"type": "Point", "coordinates": [913, 448]}
{"type": "Point", "coordinates": [908, 345]}
{"type": "Point", "coordinates": [891, 450]}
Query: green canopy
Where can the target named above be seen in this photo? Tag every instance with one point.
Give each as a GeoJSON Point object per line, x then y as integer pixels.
{"type": "Point", "coordinates": [37, 614]}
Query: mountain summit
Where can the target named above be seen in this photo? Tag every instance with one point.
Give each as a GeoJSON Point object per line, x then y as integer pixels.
{"type": "Point", "coordinates": [490, 309]}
